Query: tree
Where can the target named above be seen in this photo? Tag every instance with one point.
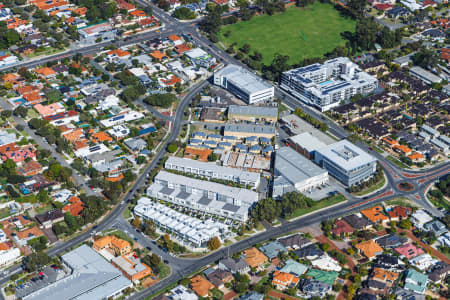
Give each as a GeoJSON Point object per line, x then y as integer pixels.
{"type": "Point", "coordinates": [184, 13]}
{"type": "Point", "coordinates": [172, 148]}
{"type": "Point", "coordinates": [357, 7]}
{"type": "Point", "coordinates": [136, 222]}
{"type": "Point", "coordinates": [155, 259]}
{"type": "Point", "coordinates": [405, 224]}
{"type": "Point", "coordinates": [214, 243]}
{"type": "Point", "coordinates": [213, 157]}
{"type": "Point", "coordinates": [163, 100]}
{"type": "Point", "coordinates": [325, 247]}
{"type": "Point", "coordinates": [426, 58]}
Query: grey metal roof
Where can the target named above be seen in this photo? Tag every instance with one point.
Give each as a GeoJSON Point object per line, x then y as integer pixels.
{"type": "Point", "coordinates": [211, 167]}
{"type": "Point", "coordinates": [294, 166]}
{"type": "Point", "coordinates": [257, 111]}
{"type": "Point", "coordinates": [307, 141]}
{"type": "Point", "coordinates": [248, 128]}
{"type": "Point", "coordinates": [92, 278]}
{"type": "Point", "coordinates": [243, 79]}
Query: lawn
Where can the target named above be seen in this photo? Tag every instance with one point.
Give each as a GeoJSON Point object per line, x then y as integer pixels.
{"type": "Point", "coordinates": [298, 33]}
{"type": "Point", "coordinates": [372, 188]}
{"type": "Point", "coordinates": [318, 205]}
{"type": "Point", "coordinates": [397, 162]}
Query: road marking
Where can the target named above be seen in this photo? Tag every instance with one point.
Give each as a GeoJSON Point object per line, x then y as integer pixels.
{"type": "Point", "coordinates": [388, 193]}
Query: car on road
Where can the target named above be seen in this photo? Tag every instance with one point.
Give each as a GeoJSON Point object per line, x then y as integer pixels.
{"type": "Point", "coordinates": [95, 227]}
{"type": "Point", "coordinates": [149, 248]}
{"type": "Point", "coordinates": [166, 261]}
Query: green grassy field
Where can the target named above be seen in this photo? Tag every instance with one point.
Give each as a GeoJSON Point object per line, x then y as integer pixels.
{"type": "Point", "coordinates": [299, 33]}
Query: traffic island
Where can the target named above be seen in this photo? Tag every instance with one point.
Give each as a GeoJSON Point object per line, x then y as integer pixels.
{"type": "Point", "coordinates": [405, 186]}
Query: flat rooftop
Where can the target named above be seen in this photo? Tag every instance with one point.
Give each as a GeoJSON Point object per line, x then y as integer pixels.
{"type": "Point", "coordinates": [346, 155]}
{"type": "Point", "coordinates": [295, 167]}
{"type": "Point", "coordinates": [92, 278]}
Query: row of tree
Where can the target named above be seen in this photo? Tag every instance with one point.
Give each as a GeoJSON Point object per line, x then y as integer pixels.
{"type": "Point", "coordinates": [269, 209]}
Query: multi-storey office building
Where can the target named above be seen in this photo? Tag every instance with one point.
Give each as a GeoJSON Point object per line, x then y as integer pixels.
{"type": "Point", "coordinates": [346, 162]}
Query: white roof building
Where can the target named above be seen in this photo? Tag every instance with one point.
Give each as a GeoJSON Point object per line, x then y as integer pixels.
{"type": "Point", "coordinates": [8, 257]}
{"type": "Point", "coordinates": [206, 196]}
{"type": "Point", "coordinates": [326, 263]}
{"type": "Point", "coordinates": [7, 138]}
{"type": "Point", "coordinates": [444, 239]}
{"type": "Point", "coordinates": [62, 195]}
{"type": "Point", "coordinates": [92, 277]}
{"type": "Point", "coordinates": [108, 102]}
{"type": "Point", "coordinates": [293, 171]}
{"type": "Point", "coordinates": [120, 119]}
{"type": "Point", "coordinates": [326, 85]}
{"type": "Point", "coordinates": [191, 230]}
{"type": "Point", "coordinates": [3, 236]}
{"type": "Point", "coordinates": [119, 131]}
{"type": "Point", "coordinates": [83, 152]}
{"type": "Point", "coordinates": [423, 262]}
{"type": "Point", "coordinates": [212, 170]}
{"type": "Point", "coordinates": [180, 292]}
{"type": "Point", "coordinates": [420, 217]}
{"type": "Point", "coordinates": [244, 84]}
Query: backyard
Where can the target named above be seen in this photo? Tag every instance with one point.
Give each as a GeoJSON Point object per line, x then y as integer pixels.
{"type": "Point", "coordinates": [298, 33]}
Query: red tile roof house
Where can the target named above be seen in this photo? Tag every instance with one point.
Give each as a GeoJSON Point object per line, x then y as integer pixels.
{"type": "Point", "coordinates": [30, 168]}
{"type": "Point", "coordinates": [383, 6]}
{"type": "Point", "coordinates": [342, 228]}
{"type": "Point", "coordinates": [399, 213]}
{"type": "Point", "coordinates": [409, 250]}
{"type": "Point", "coordinates": [19, 155]}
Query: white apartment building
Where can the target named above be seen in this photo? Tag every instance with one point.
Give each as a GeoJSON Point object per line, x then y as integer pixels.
{"type": "Point", "coordinates": [326, 85]}
{"type": "Point", "coordinates": [205, 196]}
{"type": "Point", "coordinates": [192, 231]}
{"type": "Point", "coordinates": [212, 170]}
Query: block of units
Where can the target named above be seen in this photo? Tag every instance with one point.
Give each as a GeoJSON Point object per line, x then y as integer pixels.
{"type": "Point", "coordinates": [205, 196]}
{"type": "Point", "coordinates": [192, 231]}
{"type": "Point", "coordinates": [244, 84]}
{"type": "Point", "coordinates": [212, 170]}
{"type": "Point", "coordinates": [346, 162]}
{"type": "Point", "coordinates": [326, 85]}
{"type": "Point", "coordinates": [295, 172]}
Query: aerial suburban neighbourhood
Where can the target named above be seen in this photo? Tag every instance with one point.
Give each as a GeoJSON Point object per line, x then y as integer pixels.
{"type": "Point", "coordinates": [222, 149]}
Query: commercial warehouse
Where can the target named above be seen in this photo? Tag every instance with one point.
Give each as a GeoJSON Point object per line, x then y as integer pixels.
{"type": "Point", "coordinates": [192, 231]}
{"type": "Point", "coordinates": [247, 130]}
{"type": "Point", "coordinates": [295, 172]}
{"type": "Point", "coordinates": [205, 196]}
{"type": "Point", "coordinates": [326, 85]}
{"type": "Point", "coordinates": [253, 113]}
{"type": "Point", "coordinates": [306, 144]}
{"type": "Point", "coordinates": [92, 277]}
{"type": "Point", "coordinates": [346, 162]}
{"type": "Point", "coordinates": [244, 84]}
{"type": "Point", "coordinates": [212, 170]}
